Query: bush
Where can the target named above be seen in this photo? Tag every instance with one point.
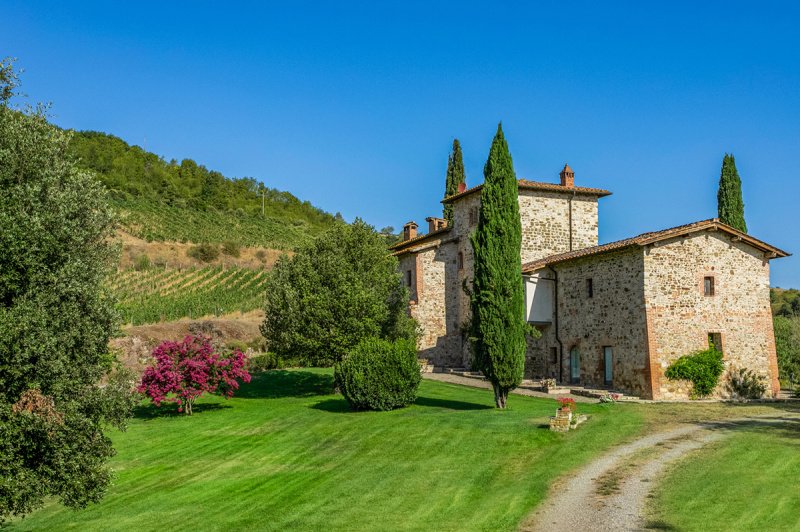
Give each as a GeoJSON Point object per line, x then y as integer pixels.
{"type": "Point", "coordinates": [141, 263]}
{"type": "Point", "coordinates": [231, 248]}
{"type": "Point", "coordinates": [264, 362]}
{"type": "Point", "coordinates": [204, 252]}
{"type": "Point", "coordinates": [702, 368]}
{"type": "Point", "coordinates": [379, 375]}
{"type": "Point", "coordinates": [237, 345]}
{"type": "Point", "coordinates": [184, 371]}
{"type": "Point", "coordinates": [745, 384]}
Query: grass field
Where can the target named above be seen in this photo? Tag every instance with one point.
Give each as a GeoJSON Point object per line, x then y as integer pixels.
{"type": "Point", "coordinates": [748, 481]}
{"type": "Point", "coordinates": [288, 454]}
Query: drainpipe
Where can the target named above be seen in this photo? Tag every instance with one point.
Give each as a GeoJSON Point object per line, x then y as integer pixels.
{"type": "Point", "coordinates": [555, 320]}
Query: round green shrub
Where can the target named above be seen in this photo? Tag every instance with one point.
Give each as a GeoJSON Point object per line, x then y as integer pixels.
{"type": "Point", "coordinates": [264, 362]}
{"type": "Point", "coordinates": [204, 252]}
{"type": "Point", "coordinates": [231, 248]}
{"type": "Point", "coordinates": [702, 368]}
{"type": "Point", "coordinates": [379, 374]}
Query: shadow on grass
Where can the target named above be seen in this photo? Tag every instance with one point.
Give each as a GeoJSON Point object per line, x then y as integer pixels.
{"type": "Point", "coordinates": [450, 404]}
{"type": "Point", "coordinates": [778, 426]}
{"type": "Point", "coordinates": [151, 411]}
{"type": "Point", "coordinates": [658, 524]}
{"type": "Point", "coordinates": [281, 383]}
{"type": "Point", "coordinates": [339, 406]}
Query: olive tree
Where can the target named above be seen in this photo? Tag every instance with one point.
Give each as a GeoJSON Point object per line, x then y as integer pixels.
{"type": "Point", "coordinates": [56, 318]}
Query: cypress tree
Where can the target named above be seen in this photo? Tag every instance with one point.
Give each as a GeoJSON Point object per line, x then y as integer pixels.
{"type": "Point", "coordinates": [729, 197]}
{"type": "Point", "coordinates": [455, 176]}
{"type": "Point", "coordinates": [498, 305]}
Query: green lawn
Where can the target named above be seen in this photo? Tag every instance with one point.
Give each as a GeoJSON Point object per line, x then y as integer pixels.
{"type": "Point", "coordinates": [288, 454]}
{"type": "Point", "coordinates": [749, 481]}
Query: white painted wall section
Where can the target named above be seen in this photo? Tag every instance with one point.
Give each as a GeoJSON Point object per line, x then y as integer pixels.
{"type": "Point", "coordinates": [538, 298]}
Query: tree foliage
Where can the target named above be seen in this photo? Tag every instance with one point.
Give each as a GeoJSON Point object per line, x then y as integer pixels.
{"type": "Point", "coordinates": [379, 375]}
{"type": "Point", "coordinates": [729, 196]}
{"type": "Point", "coordinates": [787, 347]}
{"type": "Point", "coordinates": [785, 302]}
{"type": "Point", "coordinates": [171, 200]}
{"type": "Point", "coordinates": [498, 306]}
{"type": "Point", "coordinates": [56, 318]}
{"type": "Point", "coordinates": [333, 293]}
{"type": "Point", "coordinates": [455, 176]}
{"type": "Point", "coordinates": [184, 371]}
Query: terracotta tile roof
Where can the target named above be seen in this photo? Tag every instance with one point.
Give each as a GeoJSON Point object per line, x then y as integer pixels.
{"type": "Point", "coordinates": [536, 185]}
{"type": "Point", "coordinates": [400, 246]}
{"type": "Point", "coordinates": [649, 238]}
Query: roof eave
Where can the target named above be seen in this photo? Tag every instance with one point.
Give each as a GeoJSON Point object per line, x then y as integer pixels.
{"type": "Point", "coordinates": [421, 239]}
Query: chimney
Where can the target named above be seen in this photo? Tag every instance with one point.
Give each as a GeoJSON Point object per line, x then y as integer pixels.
{"type": "Point", "coordinates": [434, 224]}
{"type": "Point", "coordinates": [567, 177]}
{"type": "Point", "coordinates": [462, 187]}
{"type": "Point", "coordinates": [410, 230]}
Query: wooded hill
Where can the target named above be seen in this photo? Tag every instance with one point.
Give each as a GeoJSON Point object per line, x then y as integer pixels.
{"type": "Point", "coordinates": [161, 200]}
{"type": "Point", "coordinates": [785, 302]}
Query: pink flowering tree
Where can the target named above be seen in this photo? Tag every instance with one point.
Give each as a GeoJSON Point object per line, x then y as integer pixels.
{"type": "Point", "coordinates": [184, 371]}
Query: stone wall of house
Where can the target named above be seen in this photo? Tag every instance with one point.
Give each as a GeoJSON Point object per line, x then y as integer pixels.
{"type": "Point", "coordinates": [680, 315]}
{"type": "Point", "coordinates": [432, 265]}
{"type": "Point", "coordinates": [612, 317]}
{"type": "Point", "coordinates": [545, 218]}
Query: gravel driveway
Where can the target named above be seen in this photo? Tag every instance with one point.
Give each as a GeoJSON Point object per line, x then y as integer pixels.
{"type": "Point", "coordinates": [611, 492]}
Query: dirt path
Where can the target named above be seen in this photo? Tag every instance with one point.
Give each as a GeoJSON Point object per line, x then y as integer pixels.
{"type": "Point", "coordinates": [611, 492]}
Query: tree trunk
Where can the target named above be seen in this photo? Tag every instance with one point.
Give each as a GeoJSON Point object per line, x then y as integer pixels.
{"type": "Point", "coordinates": [500, 396]}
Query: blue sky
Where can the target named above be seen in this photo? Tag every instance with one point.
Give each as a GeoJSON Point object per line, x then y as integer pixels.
{"type": "Point", "coordinates": [354, 107]}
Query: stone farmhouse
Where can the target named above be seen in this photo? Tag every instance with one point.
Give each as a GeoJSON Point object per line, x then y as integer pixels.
{"type": "Point", "coordinates": [611, 316]}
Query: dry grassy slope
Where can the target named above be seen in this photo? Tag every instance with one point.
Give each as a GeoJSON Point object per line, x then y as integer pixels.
{"type": "Point", "coordinates": [174, 254]}
{"type": "Point", "coordinates": [133, 349]}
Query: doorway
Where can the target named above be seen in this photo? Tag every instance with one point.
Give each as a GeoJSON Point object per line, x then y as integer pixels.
{"type": "Point", "coordinates": [608, 366]}
{"type": "Point", "coordinates": [574, 365]}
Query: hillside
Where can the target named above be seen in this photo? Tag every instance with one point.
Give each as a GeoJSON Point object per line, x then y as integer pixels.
{"type": "Point", "coordinates": [166, 207]}
{"type": "Point", "coordinates": [785, 302]}
{"type": "Point", "coordinates": [161, 200]}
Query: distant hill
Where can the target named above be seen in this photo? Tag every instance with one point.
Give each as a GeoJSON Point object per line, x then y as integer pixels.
{"type": "Point", "coordinates": [161, 200]}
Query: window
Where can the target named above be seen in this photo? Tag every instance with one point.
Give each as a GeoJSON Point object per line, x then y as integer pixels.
{"type": "Point", "coordinates": [408, 278]}
{"type": "Point", "coordinates": [460, 260]}
{"type": "Point", "coordinates": [589, 288]}
{"type": "Point", "coordinates": [715, 341]}
{"type": "Point", "coordinates": [708, 286]}
{"type": "Point", "coordinates": [554, 355]}
{"type": "Point", "coordinates": [473, 215]}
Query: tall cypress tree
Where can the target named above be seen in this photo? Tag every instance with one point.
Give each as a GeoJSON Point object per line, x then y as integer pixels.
{"type": "Point", "coordinates": [455, 176]}
{"type": "Point", "coordinates": [498, 303]}
{"type": "Point", "coordinates": [729, 197]}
